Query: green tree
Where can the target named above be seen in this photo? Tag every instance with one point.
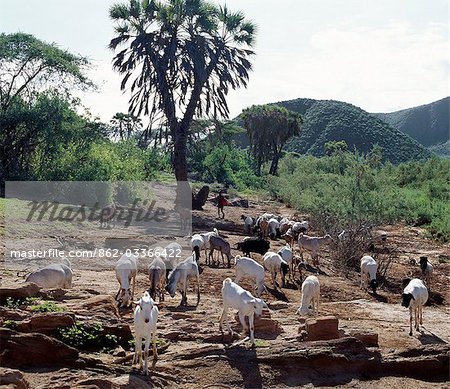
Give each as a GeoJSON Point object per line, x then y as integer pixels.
{"type": "Point", "coordinates": [29, 65]}
{"type": "Point", "coordinates": [125, 126]}
{"type": "Point", "coordinates": [183, 57]}
{"type": "Point", "coordinates": [268, 128]}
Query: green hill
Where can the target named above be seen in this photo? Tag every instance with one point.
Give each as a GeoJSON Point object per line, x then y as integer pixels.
{"type": "Point", "coordinates": [428, 124]}
{"type": "Point", "coordinates": [442, 149]}
{"type": "Point", "coordinates": [329, 120]}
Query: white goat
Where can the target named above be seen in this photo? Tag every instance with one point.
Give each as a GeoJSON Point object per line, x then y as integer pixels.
{"type": "Point", "coordinates": [414, 297]}
{"type": "Point", "coordinates": [288, 256]}
{"type": "Point", "coordinates": [274, 228]}
{"type": "Point", "coordinates": [197, 244]}
{"type": "Point", "coordinates": [313, 244]}
{"type": "Point", "coordinates": [299, 227]}
{"type": "Point", "coordinates": [249, 268]}
{"type": "Point", "coordinates": [180, 276]}
{"type": "Point", "coordinates": [206, 236]}
{"type": "Point", "coordinates": [369, 269]}
{"type": "Point", "coordinates": [310, 296]}
{"type": "Point", "coordinates": [238, 298]}
{"type": "Point", "coordinates": [126, 270]}
{"type": "Point", "coordinates": [57, 275]}
{"type": "Point", "coordinates": [248, 223]}
{"type": "Point", "coordinates": [145, 318]}
{"type": "Point", "coordinates": [171, 255]}
{"type": "Point", "coordinates": [157, 275]}
{"type": "Point", "coordinates": [275, 264]}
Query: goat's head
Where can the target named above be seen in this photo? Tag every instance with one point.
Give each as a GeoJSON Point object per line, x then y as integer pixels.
{"type": "Point", "coordinates": [406, 299]}
{"type": "Point", "coordinates": [172, 282]}
{"type": "Point", "coordinates": [374, 285]}
{"type": "Point", "coordinates": [258, 305]}
{"type": "Point", "coordinates": [146, 305]}
{"type": "Point", "coordinates": [423, 263]}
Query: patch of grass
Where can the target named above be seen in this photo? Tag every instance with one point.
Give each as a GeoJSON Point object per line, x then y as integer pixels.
{"type": "Point", "coordinates": [87, 336]}
{"type": "Point", "coordinates": [261, 343]}
{"type": "Point", "coordinates": [13, 303]}
{"type": "Point", "coordinates": [11, 324]}
{"type": "Point", "coordinates": [47, 306]}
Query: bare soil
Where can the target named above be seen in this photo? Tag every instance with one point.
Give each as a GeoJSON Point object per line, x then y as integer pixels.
{"type": "Point", "coordinates": [199, 356]}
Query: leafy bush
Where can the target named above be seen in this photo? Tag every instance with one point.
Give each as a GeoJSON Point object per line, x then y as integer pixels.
{"type": "Point", "coordinates": [344, 190]}
{"type": "Point", "coordinates": [46, 306]}
{"type": "Point", "coordinates": [13, 303]}
{"type": "Point", "coordinates": [11, 324]}
{"type": "Point", "coordinates": [87, 336]}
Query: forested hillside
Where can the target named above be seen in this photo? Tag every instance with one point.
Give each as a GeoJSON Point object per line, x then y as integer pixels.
{"type": "Point", "coordinates": [328, 120]}
{"type": "Point", "coordinates": [428, 124]}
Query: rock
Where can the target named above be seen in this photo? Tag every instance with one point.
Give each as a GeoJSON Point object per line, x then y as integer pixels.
{"type": "Point", "coordinates": [237, 202]}
{"type": "Point", "coordinates": [264, 324]}
{"type": "Point", "coordinates": [276, 305]}
{"type": "Point", "coordinates": [99, 304]}
{"type": "Point", "coordinates": [119, 352]}
{"type": "Point", "coordinates": [369, 339]}
{"type": "Point", "coordinates": [21, 291]}
{"type": "Point", "coordinates": [122, 382]}
{"type": "Point", "coordinates": [33, 350]}
{"type": "Point", "coordinates": [12, 314]}
{"type": "Point", "coordinates": [199, 199]}
{"type": "Point", "coordinates": [173, 335]}
{"type": "Point", "coordinates": [46, 323]}
{"type": "Point", "coordinates": [322, 328]}
{"type": "Point", "coordinates": [13, 379]}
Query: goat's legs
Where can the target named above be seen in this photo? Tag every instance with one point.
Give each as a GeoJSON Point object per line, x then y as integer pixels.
{"type": "Point", "coordinates": [147, 344]}
{"type": "Point", "coordinates": [155, 351]}
{"type": "Point", "coordinates": [252, 328]}
{"type": "Point", "coordinates": [410, 320]}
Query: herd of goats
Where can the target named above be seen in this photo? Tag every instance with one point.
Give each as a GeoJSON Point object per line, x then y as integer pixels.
{"type": "Point", "coordinates": [169, 272]}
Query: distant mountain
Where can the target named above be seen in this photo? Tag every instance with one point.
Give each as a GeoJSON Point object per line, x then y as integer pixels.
{"type": "Point", "coordinates": [329, 120]}
{"type": "Point", "coordinates": [428, 124]}
{"type": "Point", "coordinates": [443, 149]}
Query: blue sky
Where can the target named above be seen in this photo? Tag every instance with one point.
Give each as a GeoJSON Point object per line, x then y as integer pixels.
{"type": "Point", "coordinates": [381, 55]}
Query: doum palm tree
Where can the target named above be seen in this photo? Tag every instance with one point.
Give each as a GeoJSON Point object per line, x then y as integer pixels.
{"type": "Point", "coordinates": [180, 58]}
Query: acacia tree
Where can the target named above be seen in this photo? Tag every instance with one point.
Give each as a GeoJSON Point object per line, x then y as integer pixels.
{"type": "Point", "coordinates": [29, 66]}
{"type": "Point", "coordinates": [268, 129]}
{"type": "Point", "coordinates": [125, 126]}
{"type": "Point", "coordinates": [180, 58]}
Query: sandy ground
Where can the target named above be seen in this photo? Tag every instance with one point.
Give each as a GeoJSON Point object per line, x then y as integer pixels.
{"type": "Point", "coordinates": [340, 296]}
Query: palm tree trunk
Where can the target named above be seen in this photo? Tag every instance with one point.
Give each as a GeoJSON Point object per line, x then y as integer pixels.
{"type": "Point", "coordinates": [179, 160]}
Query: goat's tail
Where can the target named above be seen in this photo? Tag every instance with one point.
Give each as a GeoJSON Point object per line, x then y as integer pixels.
{"type": "Point", "coordinates": [227, 281]}
{"type": "Point", "coordinates": [216, 231]}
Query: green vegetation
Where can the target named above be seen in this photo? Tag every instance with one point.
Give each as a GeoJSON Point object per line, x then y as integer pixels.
{"type": "Point", "coordinates": [214, 157]}
{"type": "Point", "coordinates": [13, 303]}
{"type": "Point", "coordinates": [428, 124]}
{"type": "Point", "coordinates": [87, 336]}
{"type": "Point", "coordinates": [327, 120]}
{"type": "Point", "coordinates": [269, 127]}
{"type": "Point", "coordinates": [47, 306]}
{"type": "Point", "coordinates": [442, 149]}
{"type": "Point", "coordinates": [11, 324]}
{"type": "Point", "coordinates": [346, 189]}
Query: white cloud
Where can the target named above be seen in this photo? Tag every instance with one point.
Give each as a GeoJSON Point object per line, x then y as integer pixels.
{"type": "Point", "coordinates": [382, 69]}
